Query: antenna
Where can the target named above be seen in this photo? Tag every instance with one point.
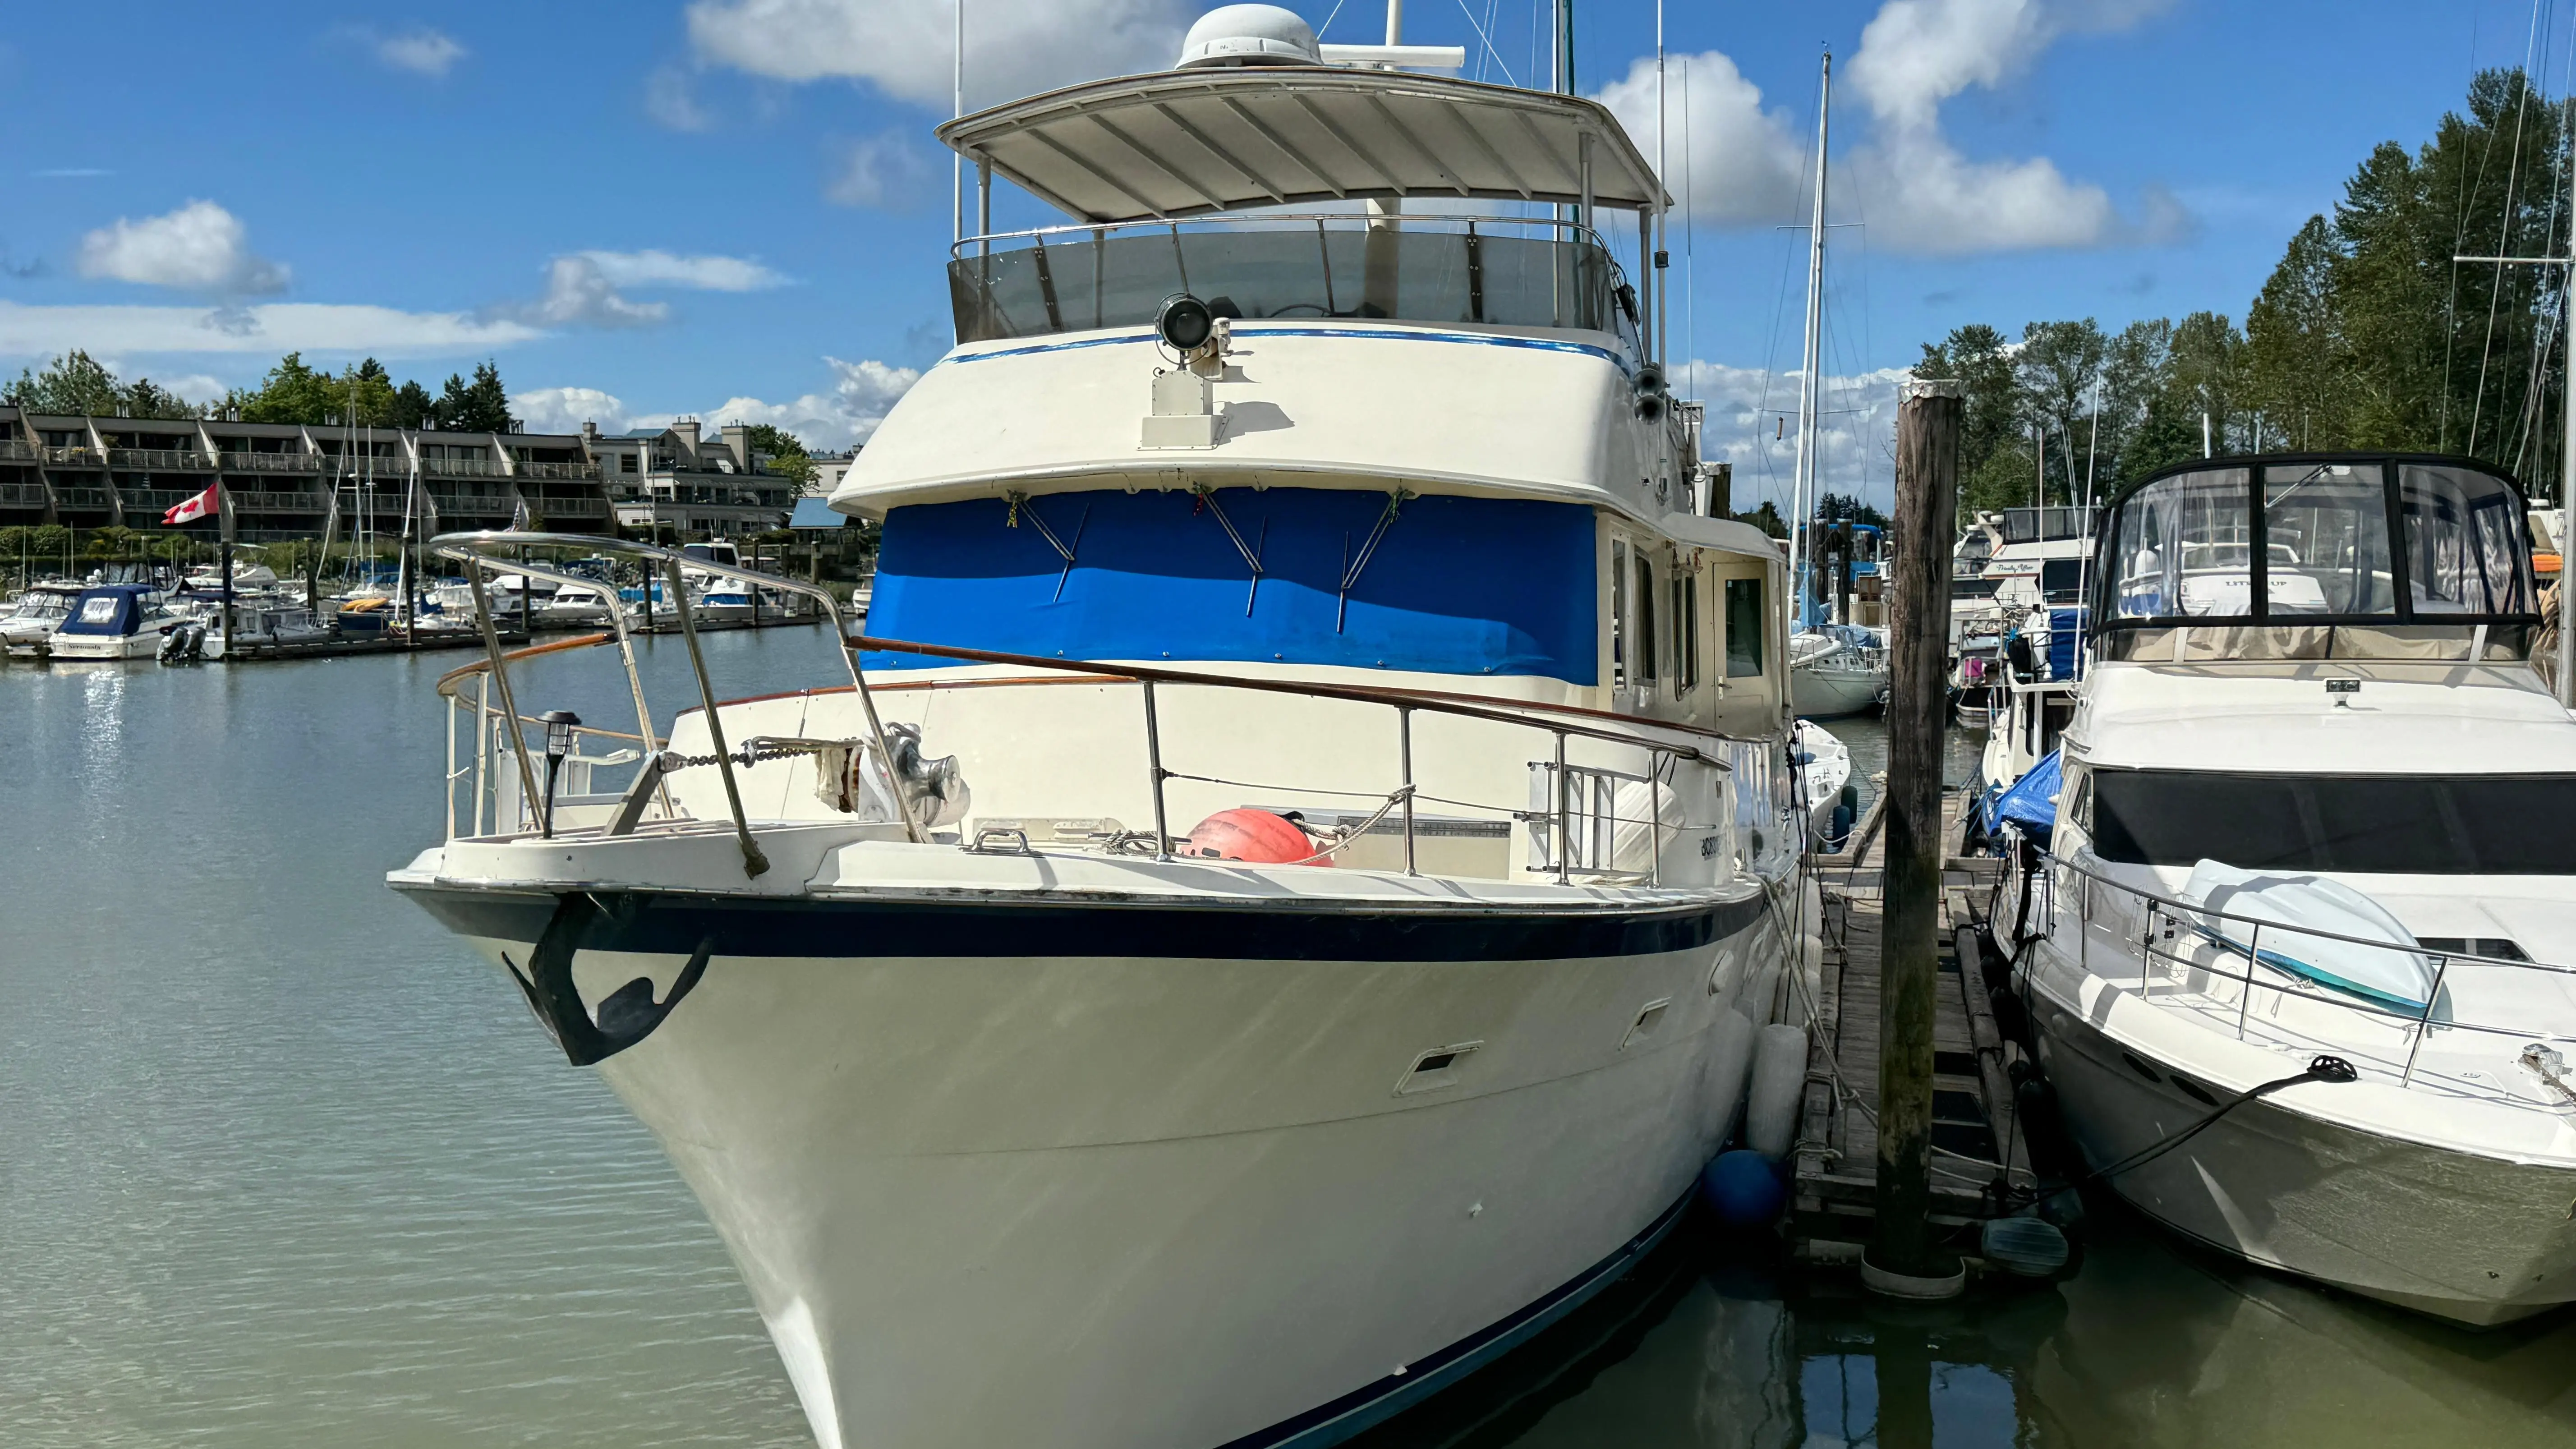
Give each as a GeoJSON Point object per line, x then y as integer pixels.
{"type": "Point", "coordinates": [957, 107]}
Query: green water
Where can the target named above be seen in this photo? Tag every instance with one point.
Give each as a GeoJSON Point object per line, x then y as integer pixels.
{"type": "Point", "coordinates": [281, 1165]}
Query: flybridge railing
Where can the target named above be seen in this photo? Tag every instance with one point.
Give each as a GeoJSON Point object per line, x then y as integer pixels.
{"type": "Point", "coordinates": [1420, 267]}
{"type": "Point", "coordinates": [1577, 812]}
{"type": "Point", "coordinates": [2214, 962]}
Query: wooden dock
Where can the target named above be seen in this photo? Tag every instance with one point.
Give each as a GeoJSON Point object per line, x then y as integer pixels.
{"type": "Point", "coordinates": [1980, 1164]}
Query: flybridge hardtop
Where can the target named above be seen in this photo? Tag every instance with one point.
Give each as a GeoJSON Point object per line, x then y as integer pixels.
{"type": "Point", "coordinates": [1182, 143]}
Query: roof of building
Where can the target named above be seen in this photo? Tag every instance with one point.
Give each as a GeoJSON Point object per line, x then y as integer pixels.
{"type": "Point", "coordinates": [1180, 143]}
{"type": "Point", "coordinates": [816, 513]}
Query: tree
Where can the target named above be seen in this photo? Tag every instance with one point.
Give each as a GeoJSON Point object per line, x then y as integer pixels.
{"type": "Point", "coordinates": [77, 385]}
{"type": "Point", "coordinates": [412, 406]}
{"type": "Point", "coordinates": [2298, 368]}
{"type": "Point", "coordinates": [784, 453]}
{"type": "Point", "coordinates": [1835, 507]}
{"type": "Point", "coordinates": [481, 406]}
{"type": "Point", "coordinates": [1767, 518]}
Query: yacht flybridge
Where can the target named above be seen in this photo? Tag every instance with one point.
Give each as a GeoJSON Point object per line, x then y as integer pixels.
{"type": "Point", "coordinates": [1275, 910]}
{"type": "Point", "coordinates": [2311, 843]}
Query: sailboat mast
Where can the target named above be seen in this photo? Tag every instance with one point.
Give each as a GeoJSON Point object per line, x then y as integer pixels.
{"type": "Point", "coordinates": [2567, 455]}
{"type": "Point", "coordinates": [1803, 480]}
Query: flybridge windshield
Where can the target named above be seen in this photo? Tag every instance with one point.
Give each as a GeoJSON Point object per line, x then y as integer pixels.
{"type": "Point", "coordinates": [2364, 540]}
{"type": "Point", "coordinates": [2363, 824]}
{"type": "Point", "coordinates": [1429, 271]}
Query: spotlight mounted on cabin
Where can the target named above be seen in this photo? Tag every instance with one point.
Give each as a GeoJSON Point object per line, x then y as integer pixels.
{"type": "Point", "coordinates": [1185, 324]}
{"type": "Point", "coordinates": [1650, 393]}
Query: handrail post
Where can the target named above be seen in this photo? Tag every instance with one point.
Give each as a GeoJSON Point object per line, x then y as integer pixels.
{"type": "Point", "coordinates": [529, 795]}
{"type": "Point", "coordinates": [1404, 748]}
{"type": "Point", "coordinates": [1154, 767]}
{"type": "Point", "coordinates": [482, 750]}
{"type": "Point", "coordinates": [1654, 817]}
{"type": "Point", "coordinates": [2424, 1023]}
{"type": "Point", "coordinates": [753, 862]}
{"type": "Point", "coordinates": [1564, 816]}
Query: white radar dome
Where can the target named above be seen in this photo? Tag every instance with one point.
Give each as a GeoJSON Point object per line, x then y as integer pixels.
{"type": "Point", "coordinates": [1249, 35]}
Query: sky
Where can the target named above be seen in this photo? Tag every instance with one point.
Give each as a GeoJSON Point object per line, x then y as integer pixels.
{"type": "Point", "coordinates": [734, 209]}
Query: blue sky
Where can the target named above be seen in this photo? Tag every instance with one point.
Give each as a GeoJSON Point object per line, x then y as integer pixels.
{"type": "Point", "coordinates": [735, 207]}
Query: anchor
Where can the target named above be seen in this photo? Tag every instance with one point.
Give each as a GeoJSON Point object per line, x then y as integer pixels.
{"type": "Point", "coordinates": [626, 1016]}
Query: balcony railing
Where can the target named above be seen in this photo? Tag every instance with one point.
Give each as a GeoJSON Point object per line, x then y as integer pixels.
{"type": "Point", "coordinates": [272, 462]}
{"type": "Point", "coordinates": [279, 502]}
{"type": "Point", "coordinates": [14, 451]}
{"type": "Point", "coordinates": [157, 458]}
{"type": "Point", "coordinates": [73, 457]}
{"type": "Point", "coordinates": [571, 507]}
{"type": "Point", "coordinates": [22, 495]}
{"type": "Point", "coordinates": [1433, 269]}
{"type": "Point", "coordinates": [81, 498]}
{"type": "Point", "coordinates": [558, 470]}
{"type": "Point", "coordinates": [463, 468]}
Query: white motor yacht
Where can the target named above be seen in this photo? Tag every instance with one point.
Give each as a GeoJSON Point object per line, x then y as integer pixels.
{"type": "Point", "coordinates": [1275, 917]}
{"type": "Point", "coordinates": [2310, 865]}
{"type": "Point", "coordinates": [113, 621]}
{"type": "Point", "coordinates": [575, 605]}
{"type": "Point", "coordinates": [262, 621]}
{"type": "Point", "coordinates": [35, 614]}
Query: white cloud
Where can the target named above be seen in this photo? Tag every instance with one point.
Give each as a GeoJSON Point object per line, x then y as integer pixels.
{"type": "Point", "coordinates": [667, 269]}
{"type": "Point", "coordinates": [579, 294]}
{"type": "Point", "coordinates": [200, 248]}
{"type": "Point", "coordinates": [1745, 162]}
{"type": "Point", "coordinates": [194, 387]}
{"type": "Point", "coordinates": [1752, 423]}
{"type": "Point", "coordinates": [671, 101]}
{"type": "Point", "coordinates": [885, 170]}
{"type": "Point", "coordinates": [565, 409]}
{"type": "Point", "coordinates": [846, 413]}
{"type": "Point", "coordinates": [906, 48]}
{"type": "Point", "coordinates": [269, 328]}
{"type": "Point", "coordinates": [422, 52]}
{"type": "Point", "coordinates": [1912, 185]}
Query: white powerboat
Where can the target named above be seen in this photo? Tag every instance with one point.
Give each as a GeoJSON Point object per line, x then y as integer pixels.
{"type": "Point", "coordinates": [34, 615]}
{"type": "Point", "coordinates": [2311, 845]}
{"type": "Point", "coordinates": [1279, 918]}
{"type": "Point", "coordinates": [262, 621]}
{"type": "Point", "coordinates": [1823, 763]}
{"type": "Point", "coordinates": [575, 606]}
{"type": "Point", "coordinates": [113, 621]}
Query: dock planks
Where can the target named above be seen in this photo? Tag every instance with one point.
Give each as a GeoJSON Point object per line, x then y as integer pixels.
{"type": "Point", "coordinates": [1837, 1153]}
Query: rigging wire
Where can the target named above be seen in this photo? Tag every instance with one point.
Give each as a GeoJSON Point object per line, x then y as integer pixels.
{"type": "Point", "coordinates": [2504, 226]}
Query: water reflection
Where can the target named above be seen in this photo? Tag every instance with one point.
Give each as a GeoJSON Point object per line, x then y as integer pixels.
{"type": "Point", "coordinates": [1716, 1342]}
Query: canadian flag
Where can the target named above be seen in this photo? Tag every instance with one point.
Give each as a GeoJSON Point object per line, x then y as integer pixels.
{"type": "Point", "coordinates": [197, 507]}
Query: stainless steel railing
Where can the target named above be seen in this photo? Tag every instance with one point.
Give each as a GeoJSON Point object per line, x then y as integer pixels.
{"type": "Point", "coordinates": [2175, 940]}
{"type": "Point", "coordinates": [1569, 822]}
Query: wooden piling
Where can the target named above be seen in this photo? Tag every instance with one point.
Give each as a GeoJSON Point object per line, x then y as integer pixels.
{"type": "Point", "coordinates": [1927, 473]}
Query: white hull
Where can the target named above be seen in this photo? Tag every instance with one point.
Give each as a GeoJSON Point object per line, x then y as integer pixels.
{"type": "Point", "coordinates": [1163, 1200]}
{"type": "Point", "coordinates": [2477, 1239]}
{"type": "Point", "coordinates": [1821, 691]}
{"type": "Point", "coordinates": [103, 646]}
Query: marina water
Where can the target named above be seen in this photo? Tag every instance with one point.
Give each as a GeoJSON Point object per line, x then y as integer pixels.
{"type": "Point", "coordinates": [283, 1166]}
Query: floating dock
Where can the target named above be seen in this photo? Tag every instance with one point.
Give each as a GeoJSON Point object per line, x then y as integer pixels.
{"type": "Point", "coordinates": [1980, 1162]}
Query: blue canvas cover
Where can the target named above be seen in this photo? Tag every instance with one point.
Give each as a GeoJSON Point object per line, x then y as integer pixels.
{"type": "Point", "coordinates": [2029, 802]}
{"type": "Point", "coordinates": [111, 609]}
{"type": "Point", "coordinates": [1453, 585]}
{"type": "Point", "coordinates": [2066, 642]}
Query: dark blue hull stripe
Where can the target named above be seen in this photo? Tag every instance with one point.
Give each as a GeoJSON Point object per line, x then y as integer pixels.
{"type": "Point", "coordinates": [676, 922]}
{"type": "Point", "coordinates": [1375, 1403]}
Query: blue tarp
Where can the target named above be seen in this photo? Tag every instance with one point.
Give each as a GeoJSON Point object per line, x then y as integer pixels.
{"type": "Point", "coordinates": [1454, 585]}
{"type": "Point", "coordinates": [2066, 642]}
{"type": "Point", "coordinates": [2029, 802]}
{"type": "Point", "coordinates": [111, 609]}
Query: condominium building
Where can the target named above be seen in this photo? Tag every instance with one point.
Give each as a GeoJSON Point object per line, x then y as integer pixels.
{"type": "Point", "coordinates": [286, 480]}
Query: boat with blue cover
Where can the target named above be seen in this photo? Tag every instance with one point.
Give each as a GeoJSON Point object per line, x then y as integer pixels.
{"type": "Point", "coordinates": [1274, 910]}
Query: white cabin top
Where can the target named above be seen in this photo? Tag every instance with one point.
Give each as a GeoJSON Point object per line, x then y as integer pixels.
{"type": "Point", "coordinates": [1188, 142]}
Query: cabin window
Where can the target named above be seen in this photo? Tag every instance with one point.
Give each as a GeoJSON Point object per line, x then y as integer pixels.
{"type": "Point", "coordinates": [1743, 628]}
{"type": "Point", "coordinates": [1685, 630]}
{"type": "Point", "coordinates": [1644, 594]}
{"type": "Point", "coordinates": [2325, 529]}
{"type": "Point", "coordinates": [2364, 824]}
{"type": "Point", "coordinates": [1618, 613]}
{"type": "Point", "coordinates": [2464, 550]}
